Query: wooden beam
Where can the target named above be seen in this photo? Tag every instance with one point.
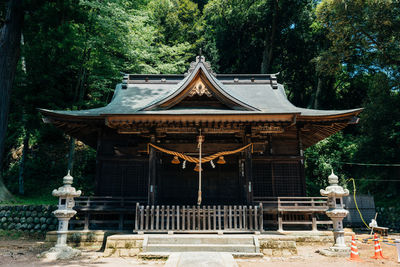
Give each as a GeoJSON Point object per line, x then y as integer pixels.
{"type": "Point", "coordinates": [152, 172]}
{"type": "Point", "coordinates": [248, 171]}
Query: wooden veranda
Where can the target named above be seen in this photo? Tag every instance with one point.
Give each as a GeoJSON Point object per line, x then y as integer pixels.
{"type": "Point", "coordinates": [272, 213]}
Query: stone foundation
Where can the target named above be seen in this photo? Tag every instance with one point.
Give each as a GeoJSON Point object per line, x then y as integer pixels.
{"type": "Point", "coordinates": [124, 246]}
{"type": "Point", "coordinates": [271, 244]}
{"type": "Point", "coordinates": [82, 239]}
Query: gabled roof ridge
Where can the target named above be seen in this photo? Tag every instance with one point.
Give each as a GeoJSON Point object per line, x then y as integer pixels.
{"type": "Point", "coordinates": [186, 81]}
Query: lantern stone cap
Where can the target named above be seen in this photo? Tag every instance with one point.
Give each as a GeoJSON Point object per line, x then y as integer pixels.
{"type": "Point", "coordinates": [68, 179]}
{"type": "Point", "coordinates": [334, 190]}
{"type": "Point", "coordinates": [67, 190]}
{"type": "Point", "coordinates": [333, 179]}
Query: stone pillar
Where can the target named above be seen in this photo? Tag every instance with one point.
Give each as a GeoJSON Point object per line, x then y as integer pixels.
{"type": "Point", "coordinates": [64, 213]}
{"type": "Point", "coordinates": [336, 213]}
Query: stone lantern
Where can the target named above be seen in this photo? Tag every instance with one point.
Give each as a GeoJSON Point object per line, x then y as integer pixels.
{"type": "Point", "coordinates": [64, 213]}
{"type": "Point", "coordinates": [336, 213]}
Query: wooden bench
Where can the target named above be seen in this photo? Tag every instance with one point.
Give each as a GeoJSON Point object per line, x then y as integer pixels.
{"type": "Point", "coordinates": [383, 231]}
{"type": "Point", "coordinates": [296, 210]}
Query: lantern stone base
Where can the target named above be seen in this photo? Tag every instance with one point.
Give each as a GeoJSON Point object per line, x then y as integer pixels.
{"type": "Point", "coordinates": [336, 252]}
{"type": "Point", "coordinates": [60, 253]}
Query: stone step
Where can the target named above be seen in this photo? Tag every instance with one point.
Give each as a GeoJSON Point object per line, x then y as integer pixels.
{"type": "Point", "coordinates": [237, 240]}
{"type": "Point", "coordinates": [201, 247]}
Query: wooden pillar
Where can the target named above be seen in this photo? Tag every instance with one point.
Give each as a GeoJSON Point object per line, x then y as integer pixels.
{"type": "Point", "coordinates": [121, 222]}
{"type": "Point", "coordinates": [98, 161]}
{"type": "Point", "coordinates": [314, 222]}
{"type": "Point", "coordinates": [280, 222]}
{"type": "Point", "coordinates": [86, 224]}
{"type": "Point", "coordinates": [302, 171]}
{"type": "Point", "coordinates": [249, 172]}
{"type": "Point", "coordinates": [152, 173]}
{"type": "Point", "coordinates": [137, 217]}
{"type": "Point", "coordinates": [269, 153]}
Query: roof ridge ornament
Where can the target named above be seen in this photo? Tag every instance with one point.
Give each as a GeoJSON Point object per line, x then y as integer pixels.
{"type": "Point", "coordinates": [274, 80]}
{"type": "Point", "coordinates": [199, 89]}
{"type": "Point", "coordinates": [200, 59]}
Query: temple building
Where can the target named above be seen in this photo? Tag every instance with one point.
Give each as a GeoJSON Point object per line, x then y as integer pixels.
{"type": "Point", "coordinates": [253, 138]}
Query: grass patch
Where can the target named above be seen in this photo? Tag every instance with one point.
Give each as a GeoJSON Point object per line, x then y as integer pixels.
{"type": "Point", "coordinates": [31, 200]}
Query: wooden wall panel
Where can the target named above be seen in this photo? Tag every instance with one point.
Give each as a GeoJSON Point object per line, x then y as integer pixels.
{"type": "Point", "coordinates": [129, 179]}
{"type": "Point", "coordinates": [288, 180]}
{"type": "Point", "coordinates": [284, 146]}
{"type": "Point", "coordinates": [262, 179]}
{"type": "Point", "coordinates": [277, 178]}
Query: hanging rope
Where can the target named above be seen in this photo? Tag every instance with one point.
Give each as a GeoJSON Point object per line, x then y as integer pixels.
{"type": "Point", "coordinates": [196, 160]}
{"type": "Point", "coordinates": [355, 201]}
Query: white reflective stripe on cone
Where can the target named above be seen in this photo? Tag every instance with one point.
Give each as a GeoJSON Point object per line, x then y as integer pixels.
{"type": "Point", "coordinates": [355, 253]}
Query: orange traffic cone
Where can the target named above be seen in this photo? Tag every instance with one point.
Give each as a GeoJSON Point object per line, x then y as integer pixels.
{"type": "Point", "coordinates": [378, 250]}
{"type": "Point", "coordinates": [354, 251]}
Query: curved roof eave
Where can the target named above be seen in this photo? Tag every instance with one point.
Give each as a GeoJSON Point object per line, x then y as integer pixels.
{"type": "Point", "coordinates": [310, 115]}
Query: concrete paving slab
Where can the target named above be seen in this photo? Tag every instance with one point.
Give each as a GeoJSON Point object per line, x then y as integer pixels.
{"type": "Point", "coordinates": [201, 259]}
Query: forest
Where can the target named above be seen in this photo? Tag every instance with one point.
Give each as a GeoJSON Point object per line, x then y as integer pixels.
{"type": "Point", "coordinates": [330, 54]}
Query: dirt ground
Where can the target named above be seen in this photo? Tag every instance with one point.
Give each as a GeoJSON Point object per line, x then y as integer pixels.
{"type": "Point", "coordinates": [23, 252]}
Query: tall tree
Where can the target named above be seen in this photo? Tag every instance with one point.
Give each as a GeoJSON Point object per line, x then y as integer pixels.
{"type": "Point", "coordinates": [362, 32]}
{"type": "Point", "coordinates": [10, 38]}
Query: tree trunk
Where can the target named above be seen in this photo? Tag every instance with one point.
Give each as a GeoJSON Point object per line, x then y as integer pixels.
{"type": "Point", "coordinates": [269, 46]}
{"type": "Point", "coordinates": [21, 190]}
{"type": "Point", "coordinates": [10, 39]}
{"type": "Point", "coordinates": [318, 93]}
{"type": "Point", "coordinates": [78, 97]}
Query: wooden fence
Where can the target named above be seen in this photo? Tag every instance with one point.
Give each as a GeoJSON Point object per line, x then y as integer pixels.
{"type": "Point", "coordinates": [199, 218]}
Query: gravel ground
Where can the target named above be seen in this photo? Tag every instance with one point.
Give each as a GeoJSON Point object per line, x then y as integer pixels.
{"type": "Point", "coordinates": [24, 252]}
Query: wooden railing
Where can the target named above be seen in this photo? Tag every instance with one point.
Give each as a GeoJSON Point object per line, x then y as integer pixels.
{"type": "Point", "coordinates": [293, 203]}
{"type": "Point", "coordinates": [296, 210]}
{"type": "Point", "coordinates": [121, 213]}
{"type": "Point", "coordinates": [107, 203]}
{"type": "Point", "coordinates": [198, 218]}
{"type": "Point", "coordinates": [105, 212]}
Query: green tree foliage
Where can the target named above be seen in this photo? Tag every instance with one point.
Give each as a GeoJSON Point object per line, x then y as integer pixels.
{"type": "Point", "coordinates": [363, 56]}
{"type": "Point", "coordinates": [73, 54]}
{"type": "Point", "coordinates": [325, 156]}
{"type": "Point", "coordinates": [366, 32]}
{"type": "Point", "coordinates": [379, 142]}
{"type": "Point", "coordinates": [177, 22]}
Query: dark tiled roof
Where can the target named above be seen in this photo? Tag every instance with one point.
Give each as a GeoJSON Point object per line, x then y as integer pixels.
{"type": "Point", "coordinates": [258, 93]}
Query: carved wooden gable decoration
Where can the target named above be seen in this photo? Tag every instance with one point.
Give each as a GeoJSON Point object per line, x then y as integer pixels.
{"type": "Point", "coordinates": [200, 90]}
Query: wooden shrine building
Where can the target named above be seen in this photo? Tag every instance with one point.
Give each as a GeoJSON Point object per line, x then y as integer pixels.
{"type": "Point", "coordinates": [152, 124]}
